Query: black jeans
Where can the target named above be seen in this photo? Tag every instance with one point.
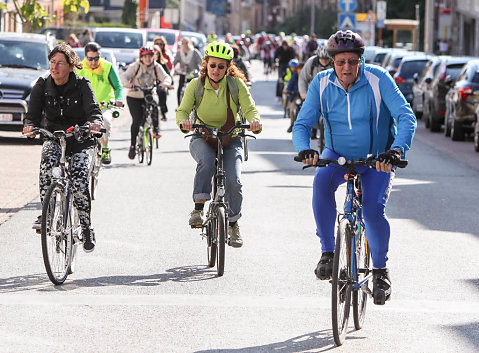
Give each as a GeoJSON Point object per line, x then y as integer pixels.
{"type": "Point", "coordinates": [137, 108]}
{"type": "Point", "coordinates": [181, 83]}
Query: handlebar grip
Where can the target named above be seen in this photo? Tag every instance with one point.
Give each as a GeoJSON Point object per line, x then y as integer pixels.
{"type": "Point", "coordinates": [402, 163]}
{"type": "Point", "coordinates": [297, 158]}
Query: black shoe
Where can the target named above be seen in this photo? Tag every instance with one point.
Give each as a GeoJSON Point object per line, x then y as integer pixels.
{"type": "Point", "coordinates": [132, 152]}
{"type": "Point", "coordinates": [324, 270]}
{"type": "Point", "coordinates": [88, 240]}
{"type": "Point", "coordinates": [37, 225]}
{"type": "Point", "coordinates": [381, 286]}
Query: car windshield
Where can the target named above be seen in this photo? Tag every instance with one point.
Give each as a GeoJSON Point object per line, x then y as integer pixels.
{"type": "Point", "coordinates": [124, 40]}
{"type": "Point", "coordinates": [409, 68]}
{"type": "Point", "coordinates": [379, 58]}
{"type": "Point", "coordinates": [453, 70]}
{"type": "Point", "coordinates": [475, 78]}
{"type": "Point", "coordinates": [170, 37]}
{"type": "Point", "coordinates": [24, 54]}
{"type": "Point", "coordinates": [199, 40]}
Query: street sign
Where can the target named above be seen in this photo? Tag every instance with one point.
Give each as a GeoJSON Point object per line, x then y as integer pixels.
{"type": "Point", "coordinates": [346, 21]}
{"type": "Point", "coordinates": [347, 5]}
{"type": "Point", "coordinates": [381, 10]}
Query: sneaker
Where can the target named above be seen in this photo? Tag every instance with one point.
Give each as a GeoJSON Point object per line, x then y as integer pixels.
{"type": "Point", "coordinates": [324, 269]}
{"type": "Point", "coordinates": [37, 225]}
{"type": "Point", "coordinates": [156, 133]}
{"type": "Point", "coordinates": [381, 286]}
{"type": "Point", "coordinates": [196, 219]}
{"type": "Point", "coordinates": [88, 240]}
{"type": "Point", "coordinates": [132, 152]}
{"type": "Point", "coordinates": [105, 155]}
{"type": "Point", "coordinates": [163, 117]}
{"type": "Point", "coordinates": [235, 237]}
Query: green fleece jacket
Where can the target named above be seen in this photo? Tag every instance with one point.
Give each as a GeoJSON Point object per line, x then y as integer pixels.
{"type": "Point", "coordinates": [212, 109]}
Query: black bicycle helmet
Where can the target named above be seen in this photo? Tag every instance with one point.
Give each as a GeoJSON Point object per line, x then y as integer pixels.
{"type": "Point", "coordinates": [345, 41]}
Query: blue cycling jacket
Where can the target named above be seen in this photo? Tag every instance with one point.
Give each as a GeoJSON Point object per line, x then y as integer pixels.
{"type": "Point", "coordinates": [371, 118]}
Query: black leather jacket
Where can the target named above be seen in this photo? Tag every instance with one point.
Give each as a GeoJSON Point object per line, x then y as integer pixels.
{"type": "Point", "coordinates": [48, 109]}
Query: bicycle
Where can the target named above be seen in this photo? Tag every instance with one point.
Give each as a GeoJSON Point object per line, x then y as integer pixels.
{"type": "Point", "coordinates": [215, 226]}
{"type": "Point", "coordinates": [144, 140]}
{"type": "Point", "coordinates": [352, 266]}
{"type": "Point", "coordinates": [97, 164]}
{"type": "Point", "coordinates": [61, 229]}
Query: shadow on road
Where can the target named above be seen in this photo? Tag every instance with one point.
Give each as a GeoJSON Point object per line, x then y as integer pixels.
{"type": "Point", "coordinates": [319, 341]}
{"type": "Point", "coordinates": [20, 140]}
{"type": "Point", "coordinates": [470, 332]}
{"type": "Point", "coordinates": [193, 273]}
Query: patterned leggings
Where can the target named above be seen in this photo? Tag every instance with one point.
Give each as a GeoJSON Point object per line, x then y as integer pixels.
{"type": "Point", "coordinates": [81, 161]}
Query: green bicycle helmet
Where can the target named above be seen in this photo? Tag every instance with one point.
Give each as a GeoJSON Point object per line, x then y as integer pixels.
{"type": "Point", "coordinates": [219, 50]}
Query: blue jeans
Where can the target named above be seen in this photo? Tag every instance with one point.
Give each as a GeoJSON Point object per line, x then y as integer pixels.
{"type": "Point", "coordinates": [205, 157]}
{"type": "Point", "coordinates": [375, 188]}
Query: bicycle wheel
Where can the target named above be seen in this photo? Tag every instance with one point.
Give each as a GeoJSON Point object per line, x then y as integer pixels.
{"type": "Point", "coordinates": [148, 146]}
{"type": "Point", "coordinates": [93, 184]}
{"type": "Point", "coordinates": [94, 173]}
{"type": "Point", "coordinates": [56, 235]}
{"type": "Point", "coordinates": [212, 242]}
{"type": "Point", "coordinates": [221, 237]}
{"type": "Point", "coordinates": [140, 147]}
{"type": "Point", "coordinates": [360, 297]}
{"type": "Point", "coordinates": [341, 286]}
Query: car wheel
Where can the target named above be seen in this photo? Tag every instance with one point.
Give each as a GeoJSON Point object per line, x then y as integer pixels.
{"type": "Point", "coordinates": [457, 131]}
{"type": "Point", "coordinates": [447, 123]}
{"type": "Point", "coordinates": [476, 137]}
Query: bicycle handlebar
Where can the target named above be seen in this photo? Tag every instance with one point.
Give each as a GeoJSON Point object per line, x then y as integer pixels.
{"type": "Point", "coordinates": [71, 131]}
{"type": "Point", "coordinates": [350, 163]}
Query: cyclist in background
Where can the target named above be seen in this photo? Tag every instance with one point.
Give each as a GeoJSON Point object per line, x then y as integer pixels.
{"type": "Point", "coordinates": [238, 61]}
{"type": "Point", "coordinates": [160, 41]}
{"type": "Point", "coordinates": [364, 113]}
{"type": "Point", "coordinates": [106, 85]}
{"type": "Point", "coordinates": [57, 102]}
{"type": "Point", "coordinates": [291, 91]}
{"type": "Point", "coordinates": [283, 55]}
{"type": "Point", "coordinates": [214, 112]}
{"type": "Point", "coordinates": [143, 73]}
{"type": "Point", "coordinates": [315, 64]}
{"type": "Point", "coordinates": [189, 60]}
{"type": "Point", "coordinates": [162, 93]}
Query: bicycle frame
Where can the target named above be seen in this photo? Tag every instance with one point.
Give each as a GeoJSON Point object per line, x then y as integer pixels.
{"type": "Point", "coordinates": [353, 213]}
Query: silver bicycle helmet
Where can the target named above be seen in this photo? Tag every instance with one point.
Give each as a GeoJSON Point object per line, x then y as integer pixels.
{"type": "Point", "coordinates": [322, 52]}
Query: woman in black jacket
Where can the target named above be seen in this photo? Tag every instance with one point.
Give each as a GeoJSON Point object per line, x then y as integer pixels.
{"type": "Point", "coordinates": [59, 101]}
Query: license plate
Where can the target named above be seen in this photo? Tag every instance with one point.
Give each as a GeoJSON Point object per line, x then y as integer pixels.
{"type": "Point", "coordinates": [6, 117]}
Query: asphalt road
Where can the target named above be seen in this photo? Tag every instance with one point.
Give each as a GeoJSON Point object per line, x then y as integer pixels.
{"type": "Point", "coordinates": [146, 287]}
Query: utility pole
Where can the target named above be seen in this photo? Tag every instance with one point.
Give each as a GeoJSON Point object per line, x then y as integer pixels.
{"type": "Point", "coordinates": [429, 27]}
{"type": "Point", "coordinates": [416, 44]}
{"type": "Point", "coordinates": [313, 7]}
{"type": "Point", "coordinates": [265, 14]}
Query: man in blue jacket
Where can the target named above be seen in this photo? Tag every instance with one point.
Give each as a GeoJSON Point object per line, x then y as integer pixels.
{"type": "Point", "coordinates": [364, 113]}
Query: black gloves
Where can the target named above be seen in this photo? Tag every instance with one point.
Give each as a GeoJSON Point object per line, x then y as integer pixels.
{"type": "Point", "coordinates": [305, 154]}
{"type": "Point", "coordinates": [392, 156]}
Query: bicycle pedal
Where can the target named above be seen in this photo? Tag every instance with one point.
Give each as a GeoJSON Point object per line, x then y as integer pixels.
{"type": "Point", "coordinates": [196, 226]}
{"type": "Point", "coordinates": [38, 231]}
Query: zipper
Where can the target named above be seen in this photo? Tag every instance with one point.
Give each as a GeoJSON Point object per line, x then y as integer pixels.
{"type": "Point", "coordinates": [349, 112]}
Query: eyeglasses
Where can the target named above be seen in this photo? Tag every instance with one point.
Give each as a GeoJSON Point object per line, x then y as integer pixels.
{"type": "Point", "coordinates": [160, 44]}
{"type": "Point", "coordinates": [220, 66]}
{"type": "Point", "coordinates": [93, 58]}
{"type": "Point", "coordinates": [59, 63]}
{"type": "Point", "coordinates": [351, 62]}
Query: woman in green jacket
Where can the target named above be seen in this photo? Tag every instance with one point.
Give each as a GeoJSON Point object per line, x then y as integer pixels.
{"type": "Point", "coordinates": [212, 110]}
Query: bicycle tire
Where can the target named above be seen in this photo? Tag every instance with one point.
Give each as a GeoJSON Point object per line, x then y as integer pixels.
{"type": "Point", "coordinates": [140, 147]}
{"type": "Point", "coordinates": [56, 236]}
{"type": "Point", "coordinates": [221, 237]}
{"type": "Point", "coordinates": [211, 242]}
{"type": "Point", "coordinates": [93, 185]}
{"type": "Point", "coordinates": [149, 146]}
{"type": "Point", "coordinates": [360, 297]}
{"type": "Point", "coordinates": [341, 285]}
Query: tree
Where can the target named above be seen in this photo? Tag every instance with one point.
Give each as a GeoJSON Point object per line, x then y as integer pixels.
{"type": "Point", "coordinates": [71, 7]}
{"type": "Point", "coordinates": [128, 15]}
{"type": "Point", "coordinates": [32, 14]}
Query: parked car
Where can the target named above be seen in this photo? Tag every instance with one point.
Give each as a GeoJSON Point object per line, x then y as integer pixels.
{"type": "Point", "coordinates": [198, 38]}
{"type": "Point", "coordinates": [420, 84]}
{"type": "Point", "coordinates": [172, 36]}
{"type": "Point", "coordinates": [23, 59]}
{"type": "Point", "coordinates": [409, 65]}
{"type": "Point", "coordinates": [392, 59]}
{"type": "Point", "coordinates": [476, 129]}
{"type": "Point", "coordinates": [62, 33]}
{"type": "Point", "coordinates": [379, 55]}
{"type": "Point", "coordinates": [124, 42]}
{"type": "Point", "coordinates": [434, 104]}
{"type": "Point", "coordinates": [462, 99]}
{"type": "Point", "coordinates": [105, 53]}
{"type": "Point", "coordinates": [369, 53]}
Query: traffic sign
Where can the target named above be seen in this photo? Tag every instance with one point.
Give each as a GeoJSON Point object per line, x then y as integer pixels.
{"type": "Point", "coordinates": [346, 21]}
{"type": "Point", "coordinates": [347, 5]}
{"type": "Point", "coordinates": [381, 10]}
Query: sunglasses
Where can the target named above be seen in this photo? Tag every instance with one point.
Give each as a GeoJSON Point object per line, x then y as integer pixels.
{"type": "Point", "coordinates": [351, 62]}
{"type": "Point", "coordinates": [220, 66]}
{"type": "Point", "coordinates": [93, 58]}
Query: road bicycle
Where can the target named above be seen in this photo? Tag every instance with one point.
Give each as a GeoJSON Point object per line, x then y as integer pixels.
{"type": "Point", "coordinates": [352, 265]}
{"type": "Point", "coordinates": [144, 140]}
{"type": "Point", "coordinates": [60, 225]}
{"type": "Point", "coordinates": [106, 107]}
{"type": "Point", "coordinates": [215, 226]}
